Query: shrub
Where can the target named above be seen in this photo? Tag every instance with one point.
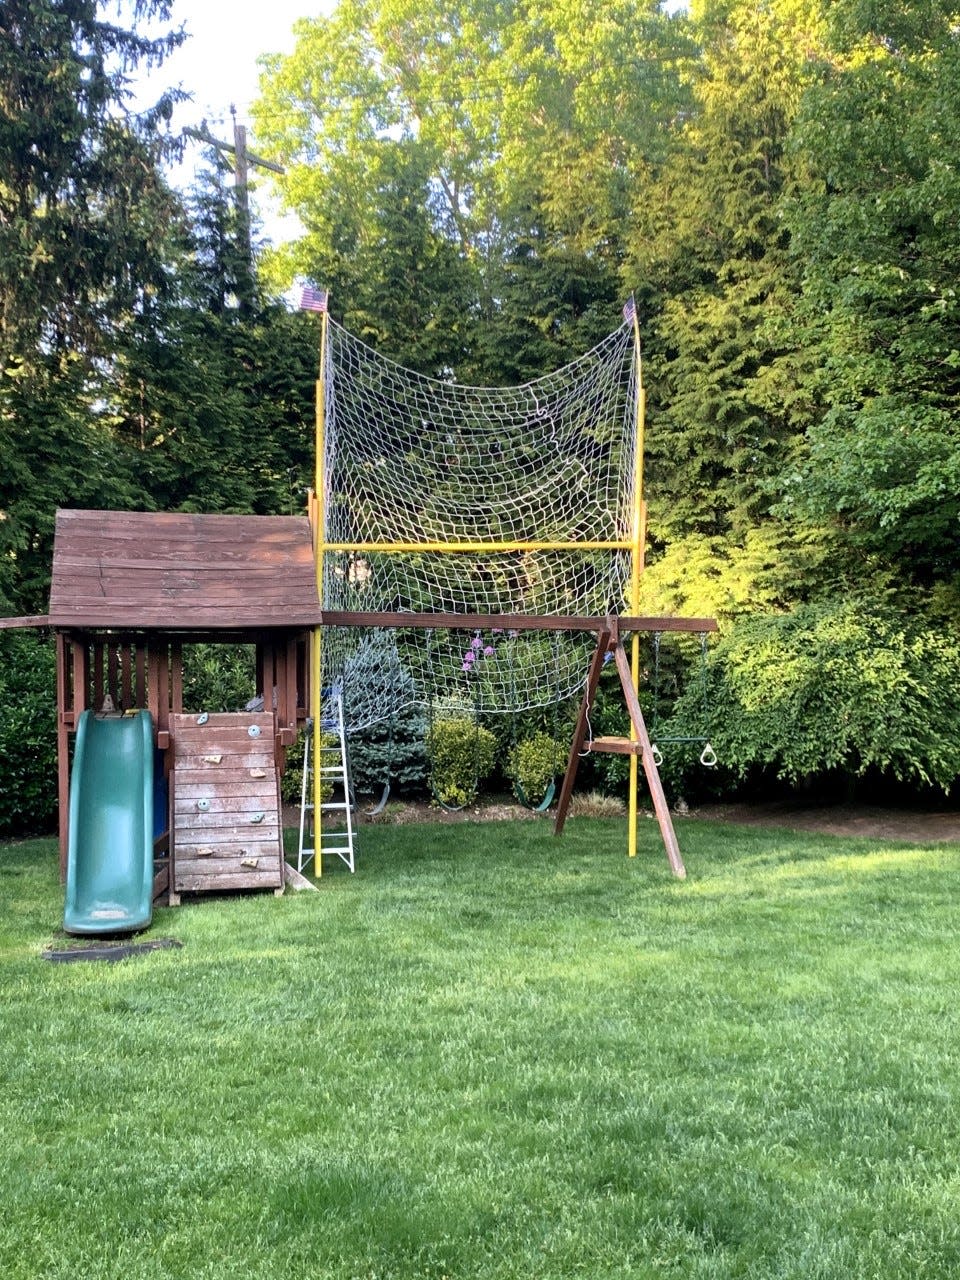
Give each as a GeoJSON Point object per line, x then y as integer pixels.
{"type": "Point", "coordinates": [461, 755]}
{"type": "Point", "coordinates": [219, 677]}
{"type": "Point", "coordinates": [841, 685]}
{"type": "Point", "coordinates": [534, 763]}
{"type": "Point", "coordinates": [28, 734]}
{"type": "Point", "coordinates": [291, 782]}
{"type": "Point", "coordinates": [394, 746]}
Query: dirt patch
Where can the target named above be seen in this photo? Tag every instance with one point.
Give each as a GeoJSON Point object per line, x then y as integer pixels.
{"type": "Point", "coordinates": [870, 822]}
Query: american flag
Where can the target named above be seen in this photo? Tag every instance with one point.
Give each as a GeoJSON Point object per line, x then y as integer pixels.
{"type": "Point", "coordinates": [630, 310]}
{"type": "Point", "coordinates": [313, 299]}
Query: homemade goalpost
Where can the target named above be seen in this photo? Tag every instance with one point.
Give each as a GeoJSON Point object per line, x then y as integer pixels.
{"type": "Point", "coordinates": [496, 511]}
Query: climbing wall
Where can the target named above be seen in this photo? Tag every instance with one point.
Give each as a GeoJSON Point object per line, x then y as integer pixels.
{"type": "Point", "coordinates": [225, 802]}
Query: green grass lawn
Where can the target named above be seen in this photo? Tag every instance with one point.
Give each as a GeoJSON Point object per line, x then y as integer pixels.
{"type": "Point", "coordinates": [495, 1054]}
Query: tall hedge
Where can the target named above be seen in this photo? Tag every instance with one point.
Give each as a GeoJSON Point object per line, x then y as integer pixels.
{"type": "Point", "coordinates": [28, 734]}
{"type": "Point", "coordinates": [841, 685]}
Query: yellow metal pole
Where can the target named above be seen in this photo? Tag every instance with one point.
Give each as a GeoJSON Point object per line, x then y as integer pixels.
{"type": "Point", "coordinates": [638, 532]}
{"type": "Point", "coordinates": [319, 547]}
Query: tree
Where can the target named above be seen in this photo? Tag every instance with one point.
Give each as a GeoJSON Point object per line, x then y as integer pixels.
{"type": "Point", "coordinates": [84, 219]}
{"type": "Point", "coordinates": [713, 251]}
{"type": "Point", "coordinates": [83, 208]}
{"type": "Point", "coordinates": [474, 159]}
{"type": "Point", "coordinates": [875, 227]}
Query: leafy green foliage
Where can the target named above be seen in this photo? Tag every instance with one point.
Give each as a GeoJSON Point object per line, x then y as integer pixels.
{"type": "Point", "coordinates": [847, 685]}
{"type": "Point", "coordinates": [83, 207]}
{"type": "Point", "coordinates": [393, 750]}
{"type": "Point", "coordinates": [464, 172]}
{"type": "Point", "coordinates": [461, 754]}
{"type": "Point", "coordinates": [874, 224]}
{"type": "Point", "coordinates": [28, 734]}
{"type": "Point", "coordinates": [291, 780]}
{"type": "Point", "coordinates": [218, 677]}
{"type": "Point", "coordinates": [534, 763]}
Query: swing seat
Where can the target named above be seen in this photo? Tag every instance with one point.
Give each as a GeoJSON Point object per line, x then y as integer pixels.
{"type": "Point", "coordinates": [616, 746]}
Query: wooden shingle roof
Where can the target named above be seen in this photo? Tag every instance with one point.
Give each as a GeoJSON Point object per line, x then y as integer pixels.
{"type": "Point", "coordinates": [172, 571]}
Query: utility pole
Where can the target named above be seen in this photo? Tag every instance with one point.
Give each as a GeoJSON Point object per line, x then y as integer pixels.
{"type": "Point", "coordinates": [242, 159]}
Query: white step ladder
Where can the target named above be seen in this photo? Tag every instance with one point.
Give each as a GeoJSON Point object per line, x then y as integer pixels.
{"type": "Point", "coordinates": [337, 835]}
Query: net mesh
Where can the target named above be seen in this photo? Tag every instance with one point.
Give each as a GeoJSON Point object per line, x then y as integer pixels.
{"type": "Point", "coordinates": [486, 500]}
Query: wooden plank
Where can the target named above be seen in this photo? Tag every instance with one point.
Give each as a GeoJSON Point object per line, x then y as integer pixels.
{"type": "Point", "coordinates": [76, 522]}
{"type": "Point", "coordinates": [193, 829]}
{"type": "Point", "coordinates": [206, 846]}
{"type": "Point", "coordinates": [229, 800]}
{"type": "Point", "coordinates": [233, 767]}
{"type": "Point", "coordinates": [661, 808]}
{"type": "Point", "coordinates": [30, 620]}
{"type": "Point", "coordinates": [163, 686]}
{"type": "Point", "coordinates": [126, 677]}
{"type": "Point", "coordinates": [220, 781]}
{"type": "Point", "coordinates": [161, 880]}
{"type": "Point", "coordinates": [141, 676]}
{"type": "Point", "coordinates": [197, 753]}
{"type": "Point", "coordinates": [113, 676]}
{"type": "Point", "coordinates": [82, 566]}
{"type": "Point", "coordinates": [580, 729]}
{"type": "Point", "coordinates": [616, 746]}
{"type": "Point", "coordinates": [186, 617]}
{"type": "Point", "coordinates": [63, 751]}
{"type": "Point", "coordinates": [226, 720]}
{"type": "Point", "coordinates": [291, 699]}
{"type": "Point", "coordinates": [81, 678]}
{"type": "Point", "coordinates": [176, 676]}
{"type": "Point", "coordinates": [153, 686]}
{"type": "Point", "coordinates": [236, 809]}
{"type": "Point", "coordinates": [515, 621]}
{"type": "Point", "coordinates": [295, 880]}
{"type": "Point", "coordinates": [231, 863]}
{"type": "Point", "coordinates": [190, 882]}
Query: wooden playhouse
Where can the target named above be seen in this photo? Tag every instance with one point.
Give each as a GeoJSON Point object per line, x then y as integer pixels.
{"type": "Point", "coordinates": [129, 590]}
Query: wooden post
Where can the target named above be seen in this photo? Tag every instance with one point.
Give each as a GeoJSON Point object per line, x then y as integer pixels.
{"type": "Point", "coordinates": [660, 805]}
{"type": "Point", "coordinates": [586, 702]}
{"type": "Point", "coordinates": [176, 678]}
{"type": "Point", "coordinates": [63, 750]}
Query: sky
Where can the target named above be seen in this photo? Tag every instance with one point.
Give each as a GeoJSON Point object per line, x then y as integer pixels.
{"type": "Point", "coordinates": [217, 64]}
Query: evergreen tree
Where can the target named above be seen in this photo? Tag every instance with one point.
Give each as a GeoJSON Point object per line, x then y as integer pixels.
{"type": "Point", "coordinates": [84, 217]}
{"type": "Point", "coordinates": [876, 231]}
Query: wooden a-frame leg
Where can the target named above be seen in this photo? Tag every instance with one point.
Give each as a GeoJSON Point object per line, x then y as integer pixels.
{"type": "Point", "coordinates": [660, 805]}
{"type": "Point", "coordinates": [573, 761]}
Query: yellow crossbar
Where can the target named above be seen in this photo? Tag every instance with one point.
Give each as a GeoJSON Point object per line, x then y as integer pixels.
{"type": "Point", "coordinates": [401, 548]}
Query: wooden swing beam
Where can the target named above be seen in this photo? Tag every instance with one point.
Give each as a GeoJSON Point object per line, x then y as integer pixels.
{"type": "Point", "coordinates": [614, 624]}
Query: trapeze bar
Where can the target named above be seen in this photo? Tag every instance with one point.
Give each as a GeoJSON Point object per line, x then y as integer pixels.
{"type": "Point", "coordinates": [512, 622]}
{"type": "Point", "coordinates": [410, 548]}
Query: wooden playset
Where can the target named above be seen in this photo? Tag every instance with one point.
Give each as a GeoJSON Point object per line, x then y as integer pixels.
{"type": "Point", "coordinates": [455, 511]}
{"type": "Point", "coordinates": [128, 591]}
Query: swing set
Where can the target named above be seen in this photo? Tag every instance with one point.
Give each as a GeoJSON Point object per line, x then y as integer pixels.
{"type": "Point", "coordinates": [452, 511]}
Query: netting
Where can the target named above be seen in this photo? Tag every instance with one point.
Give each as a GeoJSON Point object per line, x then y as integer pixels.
{"type": "Point", "coordinates": [440, 497]}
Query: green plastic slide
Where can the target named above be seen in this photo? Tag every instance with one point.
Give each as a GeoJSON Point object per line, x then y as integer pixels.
{"type": "Point", "coordinates": [110, 850]}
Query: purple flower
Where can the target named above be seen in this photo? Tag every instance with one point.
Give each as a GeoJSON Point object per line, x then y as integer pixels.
{"type": "Point", "coordinates": [476, 643]}
{"type": "Point", "coordinates": [489, 651]}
